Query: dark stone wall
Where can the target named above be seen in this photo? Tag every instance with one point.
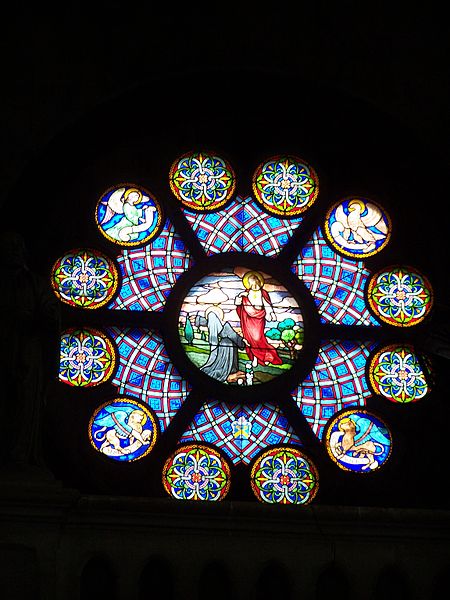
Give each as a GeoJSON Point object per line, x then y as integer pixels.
{"type": "Point", "coordinates": [58, 65]}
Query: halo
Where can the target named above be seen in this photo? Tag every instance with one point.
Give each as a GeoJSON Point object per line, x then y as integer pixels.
{"type": "Point", "coordinates": [344, 421]}
{"type": "Point", "coordinates": [360, 203]}
{"type": "Point", "coordinates": [144, 420]}
{"type": "Point", "coordinates": [348, 420]}
{"type": "Point", "coordinates": [130, 191]}
{"type": "Point", "coordinates": [254, 274]}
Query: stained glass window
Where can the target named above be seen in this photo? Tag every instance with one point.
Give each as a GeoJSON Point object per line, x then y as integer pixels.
{"type": "Point", "coordinates": [87, 357]}
{"type": "Point", "coordinates": [128, 215]}
{"type": "Point", "coordinates": [358, 441]}
{"type": "Point", "coordinates": [396, 372]}
{"type": "Point", "coordinates": [245, 346]}
{"type": "Point", "coordinates": [284, 476]}
{"type": "Point", "coordinates": [85, 278]}
{"type": "Point", "coordinates": [240, 431]}
{"type": "Point", "coordinates": [196, 472]}
{"type": "Point", "coordinates": [241, 226]}
{"type": "Point", "coordinates": [123, 430]}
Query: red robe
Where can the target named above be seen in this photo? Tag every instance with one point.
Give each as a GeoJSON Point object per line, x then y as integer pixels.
{"type": "Point", "coordinates": [253, 321]}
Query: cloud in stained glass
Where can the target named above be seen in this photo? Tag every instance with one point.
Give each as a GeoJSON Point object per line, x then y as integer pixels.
{"type": "Point", "coordinates": [145, 371]}
{"type": "Point", "coordinates": [241, 227]}
{"type": "Point", "coordinates": [357, 227]}
{"type": "Point", "coordinates": [337, 381]}
{"type": "Point", "coordinates": [336, 283]}
{"type": "Point", "coordinates": [149, 273]}
{"type": "Point", "coordinates": [128, 215]}
{"type": "Point", "coordinates": [240, 431]}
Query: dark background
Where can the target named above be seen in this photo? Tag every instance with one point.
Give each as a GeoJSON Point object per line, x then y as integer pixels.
{"type": "Point", "coordinates": [91, 97]}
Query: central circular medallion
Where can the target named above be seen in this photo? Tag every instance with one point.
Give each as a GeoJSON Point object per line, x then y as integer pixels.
{"type": "Point", "coordinates": [241, 326]}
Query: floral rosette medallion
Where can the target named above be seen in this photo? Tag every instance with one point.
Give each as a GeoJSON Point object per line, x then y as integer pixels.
{"type": "Point", "coordinates": [196, 472]}
{"type": "Point", "coordinates": [84, 278]}
{"type": "Point", "coordinates": [285, 185]}
{"type": "Point", "coordinates": [87, 357]}
{"type": "Point", "coordinates": [358, 441]}
{"type": "Point", "coordinates": [357, 227]}
{"type": "Point", "coordinates": [284, 475]}
{"type": "Point", "coordinates": [123, 430]}
{"type": "Point", "coordinates": [400, 296]}
{"type": "Point", "coordinates": [128, 215]}
{"type": "Point", "coordinates": [202, 181]}
{"type": "Point", "coordinates": [396, 373]}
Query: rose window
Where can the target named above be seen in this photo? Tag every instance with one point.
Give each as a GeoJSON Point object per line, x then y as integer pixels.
{"type": "Point", "coordinates": [246, 346]}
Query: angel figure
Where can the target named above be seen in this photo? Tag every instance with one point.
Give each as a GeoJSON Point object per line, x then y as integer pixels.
{"type": "Point", "coordinates": [119, 426]}
{"type": "Point", "coordinates": [361, 228]}
{"type": "Point", "coordinates": [123, 219]}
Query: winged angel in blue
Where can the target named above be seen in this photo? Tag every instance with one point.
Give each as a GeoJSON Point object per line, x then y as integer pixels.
{"type": "Point", "coordinates": [121, 432]}
{"type": "Point", "coordinates": [127, 214]}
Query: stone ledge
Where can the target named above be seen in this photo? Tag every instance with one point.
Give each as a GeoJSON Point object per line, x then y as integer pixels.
{"type": "Point", "coordinates": [35, 502]}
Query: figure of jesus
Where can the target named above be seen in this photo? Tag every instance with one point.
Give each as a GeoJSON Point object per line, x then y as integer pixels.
{"type": "Point", "coordinates": [252, 307]}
